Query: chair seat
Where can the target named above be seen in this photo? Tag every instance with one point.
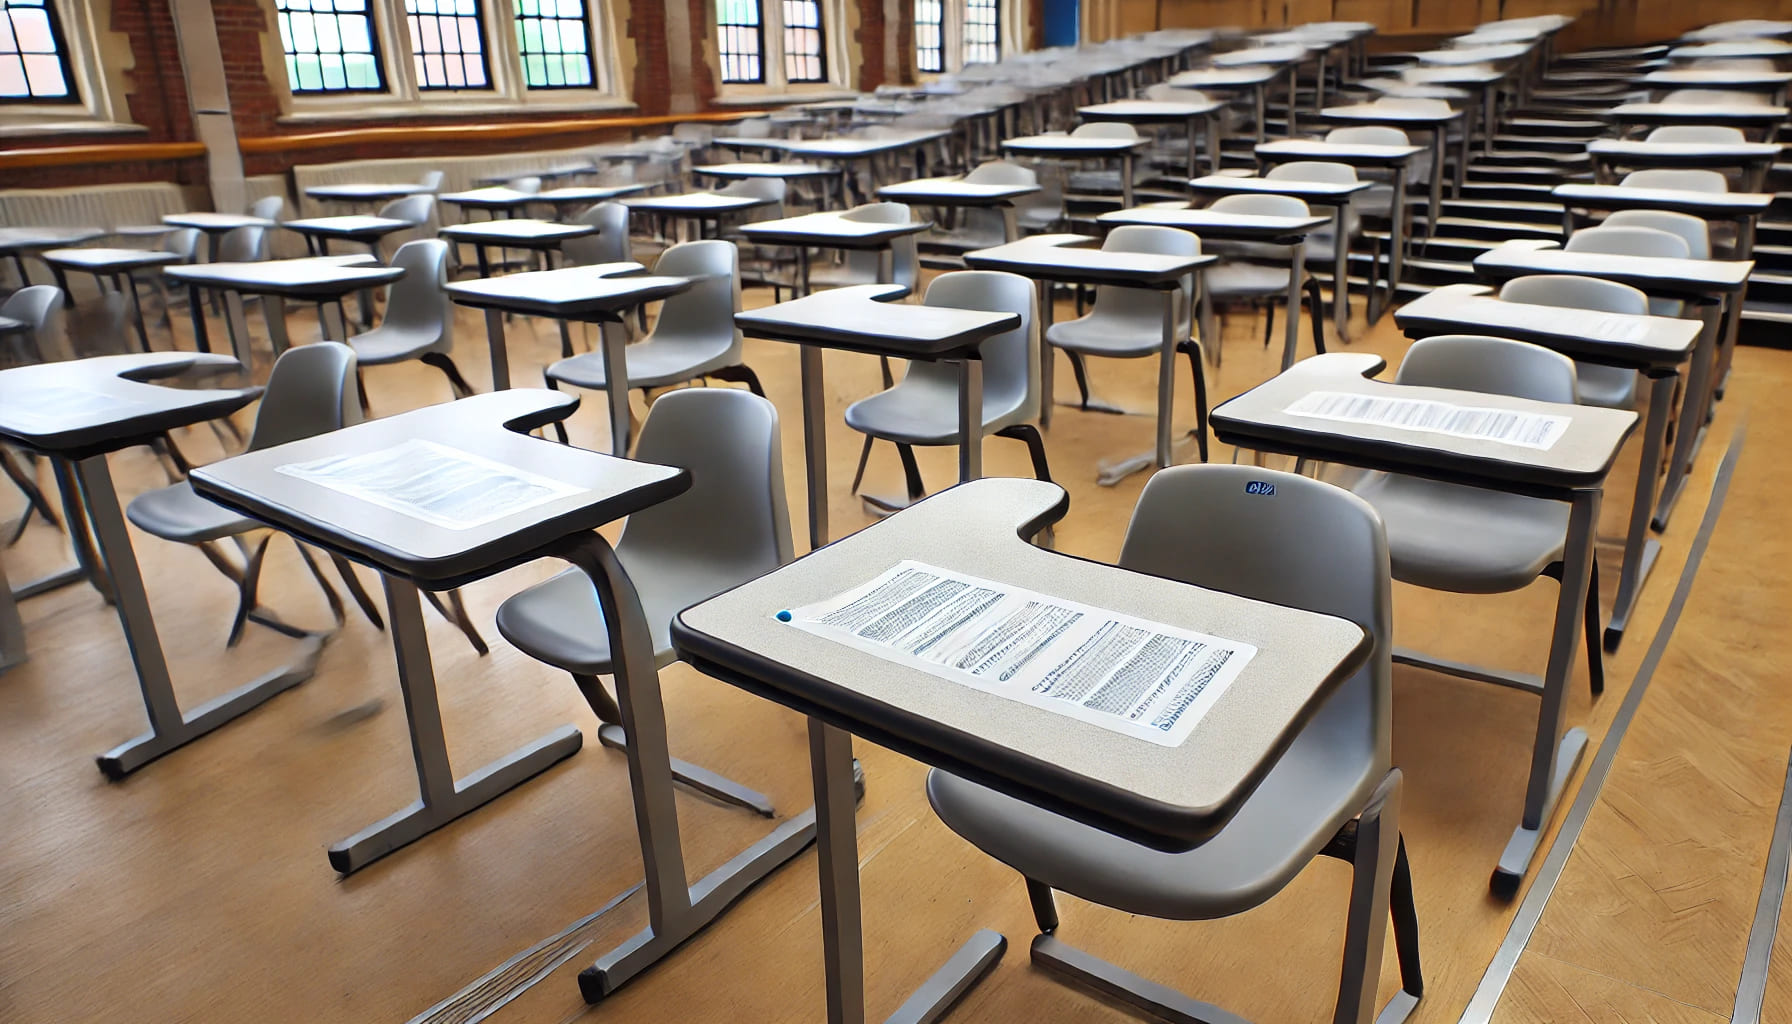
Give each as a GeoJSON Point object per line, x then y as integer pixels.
{"type": "Point", "coordinates": [1465, 540]}
{"type": "Point", "coordinates": [1110, 336]}
{"type": "Point", "coordinates": [922, 411]}
{"type": "Point", "coordinates": [1608, 387]}
{"type": "Point", "coordinates": [559, 621]}
{"type": "Point", "coordinates": [651, 364]}
{"type": "Point", "coordinates": [1234, 279]}
{"type": "Point", "coordinates": [178, 513]}
{"type": "Point", "coordinates": [1313, 790]}
{"type": "Point", "coordinates": [383, 346]}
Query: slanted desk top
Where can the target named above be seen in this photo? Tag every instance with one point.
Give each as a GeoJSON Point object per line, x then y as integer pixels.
{"type": "Point", "coordinates": [320, 278]}
{"type": "Point", "coordinates": [1225, 78]}
{"type": "Point", "coordinates": [570, 293]}
{"type": "Point", "coordinates": [1734, 114]}
{"type": "Point", "coordinates": [1068, 258]}
{"type": "Point", "coordinates": [1259, 419]}
{"type": "Point", "coordinates": [1148, 111]}
{"type": "Point", "coordinates": [848, 149]}
{"type": "Point", "coordinates": [82, 407]}
{"type": "Point", "coordinates": [572, 195]}
{"type": "Point", "coordinates": [1169, 797]}
{"type": "Point", "coordinates": [368, 192]}
{"type": "Point", "coordinates": [1683, 154]}
{"type": "Point", "coordinates": [829, 229]}
{"type": "Point", "coordinates": [522, 233]}
{"type": "Point", "coordinates": [1374, 113]}
{"type": "Point", "coordinates": [1267, 56]}
{"type": "Point", "coordinates": [1219, 224]}
{"type": "Point", "coordinates": [953, 191]}
{"type": "Point", "coordinates": [591, 489]}
{"type": "Point", "coordinates": [1631, 341]}
{"type": "Point", "coordinates": [762, 170]}
{"type": "Point", "coordinates": [215, 222]}
{"type": "Point", "coordinates": [1717, 78]}
{"type": "Point", "coordinates": [349, 226]}
{"type": "Point", "coordinates": [856, 319]}
{"type": "Point", "coordinates": [1656, 275]}
{"type": "Point", "coordinates": [1328, 193]}
{"type": "Point", "coordinates": [1675, 200]}
{"type": "Point", "coordinates": [1068, 145]}
{"type": "Point", "coordinates": [695, 204]}
{"type": "Point", "coordinates": [107, 261]}
{"type": "Point", "coordinates": [1733, 49]}
{"type": "Point", "coordinates": [26, 239]}
{"type": "Point", "coordinates": [493, 197]}
{"type": "Point", "coordinates": [1492, 54]}
{"type": "Point", "coordinates": [1356, 154]}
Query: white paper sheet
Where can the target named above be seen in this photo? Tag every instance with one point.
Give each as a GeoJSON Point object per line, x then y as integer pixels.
{"type": "Point", "coordinates": [1132, 676]}
{"type": "Point", "coordinates": [440, 485]}
{"type": "Point", "coordinates": [53, 408]}
{"type": "Point", "coordinates": [1525, 430]}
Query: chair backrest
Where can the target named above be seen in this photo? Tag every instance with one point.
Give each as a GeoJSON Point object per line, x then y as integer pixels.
{"type": "Point", "coordinates": [1416, 104]}
{"type": "Point", "coordinates": [183, 242]}
{"type": "Point", "coordinates": [268, 207]}
{"type": "Point", "coordinates": [1011, 359]}
{"type": "Point", "coordinates": [905, 258]}
{"type": "Point", "coordinates": [1369, 135]}
{"type": "Point", "coordinates": [414, 210]}
{"type": "Point", "coordinates": [1105, 130]}
{"type": "Point", "coordinates": [419, 300]}
{"type": "Point", "coordinates": [1132, 305]}
{"type": "Point", "coordinates": [1493, 366]}
{"type": "Point", "coordinates": [40, 307]}
{"type": "Point", "coordinates": [1689, 229]}
{"type": "Point", "coordinates": [734, 522]}
{"type": "Point", "coordinates": [1722, 135]}
{"type": "Point", "coordinates": [609, 245]}
{"type": "Point", "coordinates": [431, 181]}
{"type": "Point", "coordinates": [704, 313]}
{"type": "Point", "coordinates": [1304, 544]}
{"type": "Point", "coordinates": [773, 189]}
{"type": "Point", "coordinates": [1324, 171]}
{"type": "Point", "coordinates": [1262, 205]}
{"type": "Point", "coordinates": [1716, 98]}
{"type": "Point", "coordinates": [1576, 292]}
{"type": "Point", "coordinates": [244, 245]}
{"type": "Point", "coordinates": [1686, 179]}
{"type": "Point", "coordinates": [754, 128]}
{"type": "Point", "coordinates": [1001, 172]}
{"type": "Point", "coordinates": [530, 184]}
{"type": "Point", "coordinates": [311, 391]}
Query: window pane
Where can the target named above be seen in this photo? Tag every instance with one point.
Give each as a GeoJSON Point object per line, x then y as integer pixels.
{"type": "Point", "coordinates": [930, 54]}
{"type": "Point", "coordinates": [982, 31]}
{"type": "Point", "coordinates": [448, 39]}
{"type": "Point", "coordinates": [803, 44]}
{"type": "Point", "coordinates": [34, 63]}
{"type": "Point", "coordinates": [554, 37]}
{"type": "Point", "coordinates": [740, 38]}
{"type": "Point", "coordinates": [330, 46]}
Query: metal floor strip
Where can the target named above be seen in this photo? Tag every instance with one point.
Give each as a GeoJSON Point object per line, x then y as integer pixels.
{"type": "Point", "coordinates": [1751, 987]}
{"type": "Point", "coordinates": [1499, 972]}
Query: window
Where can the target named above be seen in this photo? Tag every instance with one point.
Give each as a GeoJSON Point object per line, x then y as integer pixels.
{"type": "Point", "coordinates": [447, 44]}
{"type": "Point", "coordinates": [930, 35]}
{"type": "Point", "coordinates": [741, 40]}
{"type": "Point", "coordinates": [554, 39]}
{"type": "Point", "coordinates": [329, 46]}
{"type": "Point", "coordinates": [34, 65]}
{"type": "Point", "coordinates": [803, 60]}
{"type": "Point", "coordinates": [982, 32]}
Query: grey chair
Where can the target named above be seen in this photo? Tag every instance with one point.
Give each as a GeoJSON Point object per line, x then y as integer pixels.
{"type": "Point", "coordinates": [1604, 386]}
{"type": "Point", "coordinates": [308, 393]}
{"type": "Point", "coordinates": [865, 266]}
{"type": "Point", "coordinates": [608, 245]}
{"type": "Point", "coordinates": [1722, 135]}
{"type": "Point", "coordinates": [694, 337]}
{"type": "Point", "coordinates": [419, 320]}
{"type": "Point", "coordinates": [417, 211]}
{"type": "Point", "coordinates": [40, 307]}
{"type": "Point", "coordinates": [1470, 540]}
{"type": "Point", "coordinates": [1257, 272]}
{"type": "Point", "coordinates": [1378, 199]}
{"type": "Point", "coordinates": [983, 227]}
{"type": "Point", "coordinates": [922, 408]}
{"type": "Point", "coordinates": [268, 207]}
{"type": "Point", "coordinates": [1609, 386]}
{"type": "Point", "coordinates": [1127, 323]}
{"type": "Point", "coordinates": [1686, 179]}
{"type": "Point", "coordinates": [1332, 793]}
{"type": "Point", "coordinates": [731, 526]}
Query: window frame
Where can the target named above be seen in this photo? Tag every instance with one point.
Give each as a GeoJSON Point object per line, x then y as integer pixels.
{"type": "Point", "coordinates": [774, 80]}
{"type": "Point", "coordinates": [379, 60]}
{"type": "Point", "coordinates": [759, 53]}
{"type": "Point", "coordinates": [485, 48]}
{"type": "Point", "coordinates": [591, 65]}
{"type": "Point", "coordinates": [62, 53]}
{"type": "Point", "coordinates": [96, 84]}
{"type": "Point", "coordinates": [1010, 25]}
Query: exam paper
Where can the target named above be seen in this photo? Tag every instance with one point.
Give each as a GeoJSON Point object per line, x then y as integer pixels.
{"type": "Point", "coordinates": [53, 408]}
{"type": "Point", "coordinates": [1143, 679]}
{"type": "Point", "coordinates": [1526, 430]}
{"type": "Point", "coordinates": [444, 486]}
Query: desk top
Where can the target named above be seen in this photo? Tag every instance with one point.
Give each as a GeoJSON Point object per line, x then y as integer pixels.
{"type": "Point", "coordinates": [953, 191]}
{"type": "Point", "coordinates": [215, 222]}
{"type": "Point", "coordinates": [1065, 144]}
{"type": "Point", "coordinates": [830, 229]}
{"type": "Point", "coordinates": [1683, 154]}
{"type": "Point", "coordinates": [27, 238]}
{"type": "Point", "coordinates": [857, 319]}
{"type": "Point", "coordinates": [1069, 258]}
{"type": "Point", "coordinates": [1148, 111]}
{"type": "Point", "coordinates": [1714, 78]}
{"type": "Point", "coordinates": [82, 407]}
{"type": "Point", "coordinates": [1393, 117]}
{"type": "Point", "coordinates": [1634, 342]}
{"type": "Point", "coordinates": [367, 193]}
{"type": "Point", "coordinates": [1356, 154]}
{"type": "Point", "coordinates": [300, 278]}
{"type": "Point", "coordinates": [1169, 797]}
{"type": "Point", "coordinates": [695, 204]}
{"type": "Point", "coordinates": [762, 170]}
{"type": "Point", "coordinates": [1579, 458]}
{"type": "Point", "coordinates": [847, 149]}
{"type": "Point", "coordinates": [1747, 28]}
{"type": "Point", "coordinates": [545, 174]}
{"type": "Point", "coordinates": [1496, 53]}
{"type": "Point", "coordinates": [1696, 113]}
{"type": "Point", "coordinates": [1219, 224]}
{"type": "Point", "coordinates": [1267, 56]}
{"type": "Point", "coordinates": [569, 292]}
{"type": "Point", "coordinates": [1733, 49]}
{"type": "Point", "coordinates": [1677, 200]}
{"type": "Point", "coordinates": [1452, 75]}
{"type": "Point", "coordinates": [105, 261]}
{"type": "Point", "coordinates": [572, 195]}
{"type": "Point", "coordinates": [1224, 78]}
{"type": "Point", "coordinates": [1329, 193]}
{"type": "Point", "coordinates": [348, 226]}
{"type": "Point", "coordinates": [1656, 275]}
{"type": "Point", "coordinates": [492, 197]}
{"type": "Point", "coordinates": [415, 519]}
{"type": "Point", "coordinates": [518, 232]}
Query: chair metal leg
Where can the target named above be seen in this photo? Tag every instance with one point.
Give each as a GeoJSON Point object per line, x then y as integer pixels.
{"type": "Point", "coordinates": [1269, 322]}
{"type": "Point", "coordinates": [740, 374]}
{"type": "Point", "coordinates": [1192, 349]}
{"type": "Point", "coordinates": [456, 612]}
{"type": "Point", "coordinates": [911, 472]}
{"type": "Point", "coordinates": [356, 591]}
{"type": "Point", "coordinates": [1080, 370]}
{"type": "Point", "coordinates": [333, 599]}
{"type": "Point", "coordinates": [560, 424]}
{"type": "Point", "coordinates": [246, 591]}
{"type": "Point", "coordinates": [1028, 434]}
{"type": "Point", "coordinates": [1316, 312]}
{"type": "Point", "coordinates": [1377, 844]}
{"type": "Point", "coordinates": [858, 476]}
{"type": "Point", "coordinates": [361, 393]}
{"type": "Point", "coordinates": [1593, 629]}
{"type": "Point", "coordinates": [1045, 909]}
{"type": "Point", "coordinates": [456, 382]}
{"type": "Point", "coordinates": [34, 498]}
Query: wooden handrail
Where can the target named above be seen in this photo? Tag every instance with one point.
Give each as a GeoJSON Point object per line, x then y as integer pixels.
{"type": "Point", "coordinates": [100, 153]}
{"type": "Point", "coordinates": [491, 131]}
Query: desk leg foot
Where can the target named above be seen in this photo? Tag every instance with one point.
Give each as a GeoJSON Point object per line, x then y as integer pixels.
{"type": "Point", "coordinates": [957, 976]}
{"type": "Point", "coordinates": [698, 778]}
{"type": "Point", "coordinates": [1159, 1001]}
{"type": "Point", "coordinates": [1521, 849]}
{"type": "Point", "coordinates": [1620, 617]}
{"type": "Point", "coordinates": [129, 756]}
{"type": "Point", "coordinates": [710, 897]}
{"type": "Point", "coordinates": [1670, 493]}
{"type": "Point", "coordinates": [470, 794]}
{"type": "Point", "coordinates": [54, 581]}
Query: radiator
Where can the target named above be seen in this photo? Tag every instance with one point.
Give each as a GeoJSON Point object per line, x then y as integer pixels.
{"type": "Point", "coordinates": [102, 206]}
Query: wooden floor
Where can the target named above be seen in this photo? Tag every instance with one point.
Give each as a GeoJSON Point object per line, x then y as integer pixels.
{"type": "Point", "coordinates": [198, 889]}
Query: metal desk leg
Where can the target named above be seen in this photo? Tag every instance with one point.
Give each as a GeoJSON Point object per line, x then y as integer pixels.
{"type": "Point", "coordinates": [168, 727]}
{"type": "Point", "coordinates": [1745, 249]}
{"type": "Point", "coordinates": [970, 418]}
{"type": "Point", "coordinates": [1692, 416]}
{"type": "Point", "coordinates": [128, 281]}
{"type": "Point", "coordinates": [494, 339]}
{"type": "Point", "coordinates": [442, 798]}
{"type": "Point", "coordinates": [1189, 133]}
{"type": "Point", "coordinates": [1126, 179]}
{"type": "Point", "coordinates": [331, 318]}
{"type": "Point", "coordinates": [1641, 550]}
{"type": "Point", "coordinates": [273, 310]}
{"type": "Point", "coordinates": [12, 627]}
{"type": "Point", "coordinates": [1461, 175]}
{"type": "Point", "coordinates": [1555, 753]}
{"type": "Point", "coordinates": [1262, 100]}
{"type": "Point", "coordinates": [196, 310]}
{"type": "Point", "coordinates": [1439, 136]}
{"type": "Point", "coordinates": [1397, 245]}
{"type": "Point", "coordinates": [613, 338]}
{"type": "Point", "coordinates": [1048, 357]}
{"type": "Point", "coordinates": [1288, 129]}
{"type": "Point", "coordinates": [1166, 380]}
{"type": "Point", "coordinates": [1297, 268]}
{"type": "Point", "coordinates": [236, 322]}
{"type": "Point", "coordinates": [1340, 277]}
{"type": "Point", "coordinates": [676, 909]}
{"type": "Point", "coordinates": [1213, 145]}
{"type": "Point", "coordinates": [815, 444]}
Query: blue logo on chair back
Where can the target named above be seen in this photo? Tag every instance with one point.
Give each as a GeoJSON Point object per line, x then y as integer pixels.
{"type": "Point", "coordinates": [1261, 487]}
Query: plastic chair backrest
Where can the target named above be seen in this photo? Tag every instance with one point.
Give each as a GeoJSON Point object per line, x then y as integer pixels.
{"type": "Point", "coordinates": [1130, 305]}
{"type": "Point", "coordinates": [1369, 135]}
{"type": "Point", "coordinates": [1627, 234]}
{"type": "Point", "coordinates": [754, 128]}
{"type": "Point", "coordinates": [431, 181]}
{"type": "Point", "coordinates": [419, 300]}
{"type": "Point", "coordinates": [1164, 92]}
{"type": "Point", "coordinates": [1716, 98]}
{"type": "Point", "coordinates": [414, 210]}
{"type": "Point", "coordinates": [704, 313]}
{"type": "Point", "coordinates": [905, 258]}
{"type": "Point", "coordinates": [311, 391]}
{"type": "Point", "coordinates": [1262, 205]}
{"type": "Point", "coordinates": [1011, 359]}
{"type": "Point", "coordinates": [268, 207]}
{"type": "Point", "coordinates": [609, 245]}
{"type": "Point", "coordinates": [1684, 179]}
{"type": "Point", "coordinates": [1301, 543]}
{"type": "Point", "coordinates": [1313, 170]}
{"type": "Point", "coordinates": [759, 188]}
{"type": "Point", "coordinates": [1722, 135]}
{"type": "Point", "coordinates": [1493, 366]}
{"type": "Point", "coordinates": [734, 522]}
{"type": "Point", "coordinates": [1001, 172]}
{"type": "Point", "coordinates": [530, 184]}
{"type": "Point", "coordinates": [1416, 104]}
{"type": "Point", "coordinates": [1576, 292]}
{"type": "Point", "coordinates": [244, 245]}
{"type": "Point", "coordinates": [1105, 130]}
{"type": "Point", "coordinates": [40, 307]}
{"type": "Point", "coordinates": [183, 242]}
